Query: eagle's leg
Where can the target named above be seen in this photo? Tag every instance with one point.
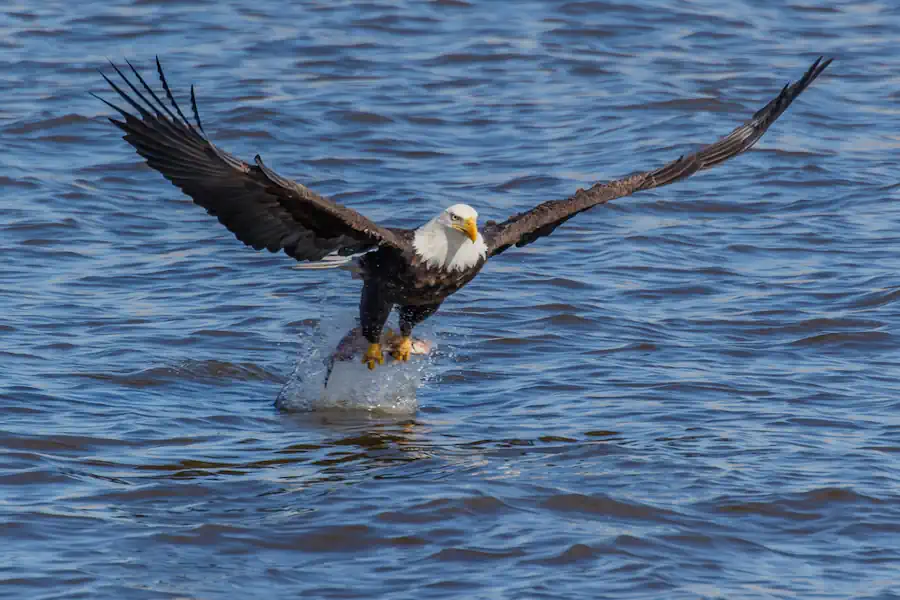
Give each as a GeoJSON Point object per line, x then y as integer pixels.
{"type": "Point", "coordinates": [373, 313]}
{"type": "Point", "coordinates": [373, 355]}
{"type": "Point", "coordinates": [410, 316]}
{"type": "Point", "coordinates": [403, 349]}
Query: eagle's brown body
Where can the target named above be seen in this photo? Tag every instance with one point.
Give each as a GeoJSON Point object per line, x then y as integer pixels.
{"type": "Point", "coordinates": [393, 277]}
{"type": "Point", "coordinates": [402, 277]}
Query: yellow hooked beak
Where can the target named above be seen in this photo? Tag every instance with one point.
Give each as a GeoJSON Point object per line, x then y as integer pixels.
{"type": "Point", "coordinates": [468, 227]}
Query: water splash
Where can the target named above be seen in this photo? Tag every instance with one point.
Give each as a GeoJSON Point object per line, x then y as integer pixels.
{"type": "Point", "coordinates": [390, 388]}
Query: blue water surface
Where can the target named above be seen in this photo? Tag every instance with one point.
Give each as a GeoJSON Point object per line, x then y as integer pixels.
{"type": "Point", "coordinates": [690, 393]}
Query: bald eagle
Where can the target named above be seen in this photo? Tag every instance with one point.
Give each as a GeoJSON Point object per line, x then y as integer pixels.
{"type": "Point", "coordinates": [414, 270]}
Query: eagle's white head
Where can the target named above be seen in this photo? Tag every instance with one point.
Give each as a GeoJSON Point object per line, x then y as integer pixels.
{"type": "Point", "coordinates": [451, 240]}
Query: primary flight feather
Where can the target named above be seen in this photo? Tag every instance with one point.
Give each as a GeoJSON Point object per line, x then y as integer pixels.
{"type": "Point", "coordinates": [414, 270]}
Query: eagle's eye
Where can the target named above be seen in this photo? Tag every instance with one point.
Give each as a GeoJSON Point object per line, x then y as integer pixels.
{"type": "Point", "coordinates": [455, 217]}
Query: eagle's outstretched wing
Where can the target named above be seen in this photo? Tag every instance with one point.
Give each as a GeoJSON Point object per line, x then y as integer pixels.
{"type": "Point", "coordinates": [524, 228]}
{"type": "Point", "coordinates": [261, 208]}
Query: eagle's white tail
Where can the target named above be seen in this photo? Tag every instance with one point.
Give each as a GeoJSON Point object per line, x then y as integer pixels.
{"type": "Point", "coordinates": [332, 261]}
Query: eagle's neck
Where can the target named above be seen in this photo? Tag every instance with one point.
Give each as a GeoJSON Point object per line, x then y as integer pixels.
{"type": "Point", "coordinates": [447, 249]}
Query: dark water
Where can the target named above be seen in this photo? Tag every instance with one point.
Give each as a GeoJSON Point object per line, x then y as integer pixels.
{"type": "Point", "coordinates": [692, 393]}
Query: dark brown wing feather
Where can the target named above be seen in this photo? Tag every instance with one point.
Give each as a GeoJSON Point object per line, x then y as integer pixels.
{"type": "Point", "coordinates": [526, 227]}
{"type": "Point", "coordinates": [261, 208]}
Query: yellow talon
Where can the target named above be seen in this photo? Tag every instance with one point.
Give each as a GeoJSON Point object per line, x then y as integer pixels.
{"type": "Point", "coordinates": [373, 355]}
{"type": "Point", "coordinates": [403, 348]}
